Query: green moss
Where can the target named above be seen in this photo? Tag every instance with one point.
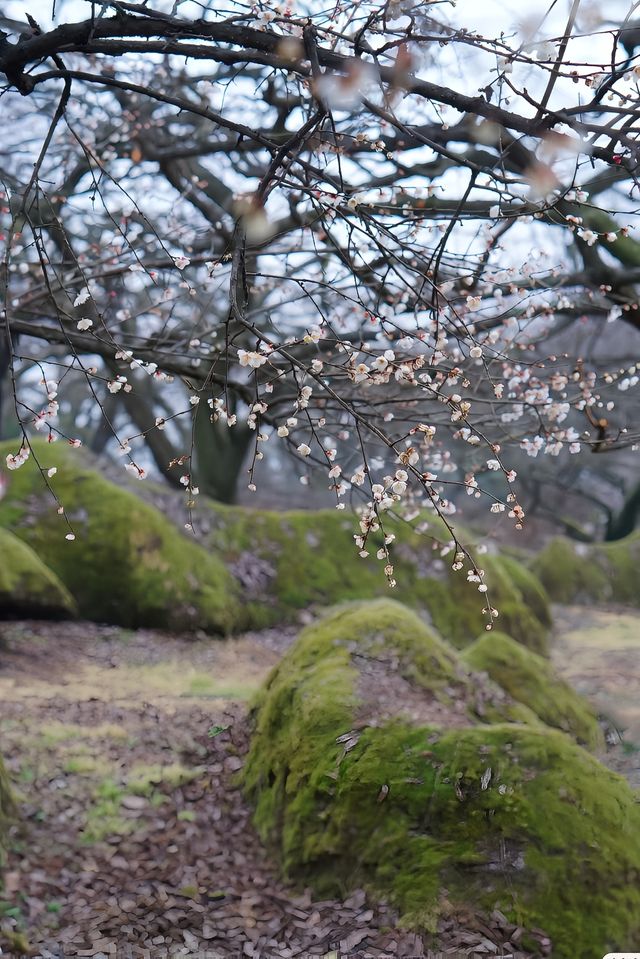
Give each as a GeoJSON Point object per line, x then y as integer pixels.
{"type": "Point", "coordinates": [144, 778]}
{"type": "Point", "coordinates": [552, 840]}
{"type": "Point", "coordinates": [27, 586]}
{"type": "Point", "coordinates": [384, 628]}
{"type": "Point", "coordinates": [82, 764]}
{"type": "Point", "coordinates": [297, 559]}
{"type": "Point", "coordinates": [531, 680]}
{"type": "Point", "coordinates": [591, 574]}
{"type": "Point", "coordinates": [128, 564]}
{"type": "Point", "coordinates": [307, 702]}
{"type": "Point", "coordinates": [103, 818]}
{"type": "Point", "coordinates": [502, 816]}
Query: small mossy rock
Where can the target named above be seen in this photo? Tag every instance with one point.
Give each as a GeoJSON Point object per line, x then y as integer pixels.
{"type": "Point", "coordinates": [591, 573]}
{"type": "Point", "coordinates": [530, 679]}
{"type": "Point", "coordinates": [435, 815]}
{"type": "Point", "coordinates": [27, 586]}
{"type": "Point", "coordinates": [128, 564]}
{"type": "Point", "coordinates": [289, 561]}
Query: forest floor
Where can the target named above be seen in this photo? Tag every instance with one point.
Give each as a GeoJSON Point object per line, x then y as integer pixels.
{"type": "Point", "coordinates": [134, 838]}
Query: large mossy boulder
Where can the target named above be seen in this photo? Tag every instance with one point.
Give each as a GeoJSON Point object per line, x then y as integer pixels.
{"type": "Point", "coordinates": [591, 573]}
{"type": "Point", "coordinates": [128, 564]}
{"type": "Point", "coordinates": [394, 784]}
{"type": "Point", "coordinates": [530, 679]}
{"type": "Point", "coordinates": [27, 586]}
{"type": "Point", "coordinates": [292, 560]}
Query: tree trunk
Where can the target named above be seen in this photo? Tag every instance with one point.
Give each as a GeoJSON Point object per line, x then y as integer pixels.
{"type": "Point", "coordinates": [625, 522]}
{"type": "Point", "coordinates": [220, 452]}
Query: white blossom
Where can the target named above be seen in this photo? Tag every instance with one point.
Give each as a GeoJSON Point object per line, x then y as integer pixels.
{"type": "Point", "coordinates": [251, 358]}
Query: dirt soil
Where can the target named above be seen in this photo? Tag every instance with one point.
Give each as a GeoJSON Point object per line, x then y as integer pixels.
{"type": "Point", "coordinates": [134, 839]}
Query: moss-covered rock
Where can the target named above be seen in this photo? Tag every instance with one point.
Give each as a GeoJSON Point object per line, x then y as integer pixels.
{"type": "Point", "coordinates": [522, 604]}
{"type": "Point", "coordinates": [530, 679]}
{"type": "Point", "coordinates": [360, 663]}
{"type": "Point", "coordinates": [292, 560]}
{"type": "Point", "coordinates": [593, 573]}
{"type": "Point", "coordinates": [127, 564]}
{"type": "Point", "coordinates": [531, 590]}
{"type": "Point", "coordinates": [436, 811]}
{"type": "Point", "coordinates": [27, 586]}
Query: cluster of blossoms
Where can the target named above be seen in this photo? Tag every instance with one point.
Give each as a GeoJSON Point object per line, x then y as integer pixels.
{"type": "Point", "coordinates": [120, 382]}
{"type": "Point", "coordinates": [383, 498]}
{"type": "Point", "coordinates": [554, 444]}
{"type": "Point", "coordinates": [50, 412]}
{"type": "Point", "coordinates": [251, 358]}
{"type": "Point", "coordinates": [220, 412]}
{"type": "Point", "coordinates": [14, 462]}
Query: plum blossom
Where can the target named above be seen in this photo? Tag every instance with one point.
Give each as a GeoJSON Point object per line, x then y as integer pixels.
{"type": "Point", "coordinates": [588, 236]}
{"type": "Point", "coordinates": [20, 458]}
{"type": "Point", "coordinates": [82, 297]}
{"type": "Point", "coordinates": [138, 471]}
{"type": "Point", "coordinates": [251, 358]}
